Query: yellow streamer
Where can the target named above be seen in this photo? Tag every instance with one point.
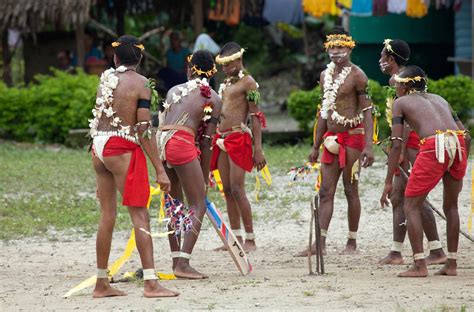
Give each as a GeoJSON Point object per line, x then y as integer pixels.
{"type": "Point", "coordinates": [267, 177]}
{"type": "Point", "coordinates": [375, 138]}
{"type": "Point", "coordinates": [257, 187]}
{"type": "Point", "coordinates": [117, 265]}
{"type": "Point", "coordinates": [217, 177]}
{"type": "Point", "coordinates": [317, 185]}
{"type": "Point", "coordinates": [471, 214]}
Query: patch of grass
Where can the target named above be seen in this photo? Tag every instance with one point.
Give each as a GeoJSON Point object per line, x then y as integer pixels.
{"type": "Point", "coordinates": [308, 293]}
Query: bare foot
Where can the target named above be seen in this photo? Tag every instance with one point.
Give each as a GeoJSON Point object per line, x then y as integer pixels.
{"type": "Point", "coordinates": [304, 253]}
{"type": "Point", "coordinates": [393, 257]}
{"type": "Point", "coordinates": [222, 248]}
{"type": "Point", "coordinates": [436, 256]}
{"type": "Point", "coordinates": [418, 269]}
{"type": "Point", "coordinates": [103, 289]}
{"type": "Point", "coordinates": [184, 270]}
{"type": "Point", "coordinates": [351, 247]}
{"type": "Point", "coordinates": [250, 245]}
{"type": "Point", "coordinates": [154, 290]}
{"type": "Point", "coordinates": [448, 269]}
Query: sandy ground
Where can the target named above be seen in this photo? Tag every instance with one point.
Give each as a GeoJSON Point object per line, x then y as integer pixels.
{"type": "Point", "coordinates": [37, 272]}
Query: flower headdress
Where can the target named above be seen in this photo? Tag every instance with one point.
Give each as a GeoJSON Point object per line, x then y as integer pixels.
{"type": "Point", "coordinates": [408, 79]}
{"type": "Point", "coordinates": [223, 60]}
{"type": "Point", "coordinates": [339, 40]}
{"type": "Point", "coordinates": [116, 44]}
{"type": "Point", "coordinates": [389, 48]}
{"type": "Point", "coordinates": [196, 70]}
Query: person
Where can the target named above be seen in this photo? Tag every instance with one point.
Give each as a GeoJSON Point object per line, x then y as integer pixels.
{"type": "Point", "coordinates": [345, 129]}
{"type": "Point", "coordinates": [121, 133]}
{"type": "Point", "coordinates": [191, 113]}
{"type": "Point", "coordinates": [175, 71]}
{"type": "Point", "coordinates": [443, 155]}
{"type": "Point", "coordinates": [232, 152]}
{"type": "Point", "coordinates": [64, 61]}
{"type": "Point", "coordinates": [393, 58]}
{"type": "Point", "coordinates": [91, 50]}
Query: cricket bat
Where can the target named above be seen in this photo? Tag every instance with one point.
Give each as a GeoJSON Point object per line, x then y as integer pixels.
{"type": "Point", "coordinates": [228, 238]}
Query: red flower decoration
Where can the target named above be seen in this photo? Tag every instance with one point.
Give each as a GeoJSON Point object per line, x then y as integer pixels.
{"type": "Point", "coordinates": [205, 91]}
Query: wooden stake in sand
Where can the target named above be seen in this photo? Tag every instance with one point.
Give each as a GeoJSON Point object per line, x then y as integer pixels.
{"type": "Point", "coordinates": [317, 228]}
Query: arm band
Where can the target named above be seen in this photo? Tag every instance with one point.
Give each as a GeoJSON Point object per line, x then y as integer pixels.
{"type": "Point", "coordinates": [455, 117]}
{"type": "Point", "coordinates": [253, 96]}
{"type": "Point", "coordinates": [396, 138]}
{"type": "Point", "coordinates": [143, 104]}
{"type": "Point", "coordinates": [213, 120]}
{"type": "Point", "coordinates": [397, 120]}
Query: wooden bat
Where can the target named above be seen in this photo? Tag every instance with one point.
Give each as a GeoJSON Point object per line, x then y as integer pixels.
{"type": "Point", "coordinates": [228, 238]}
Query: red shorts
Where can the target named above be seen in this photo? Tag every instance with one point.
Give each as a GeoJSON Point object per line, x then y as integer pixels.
{"type": "Point", "coordinates": [355, 141]}
{"type": "Point", "coordinates": [427, 171]}
{"type": "Point", "coordinates": [413, 141]}
{"type": "Point", "coordinates": [137, 187]}
{"type": "Point", "coordinates": [181, 149]}
{"type": "Point", "coordinates": [239, 147]}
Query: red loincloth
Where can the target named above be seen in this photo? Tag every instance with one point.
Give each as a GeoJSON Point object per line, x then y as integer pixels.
{"type": "Point", "coordinates": [239, 147]}
{"type": "Point", "coordinates": [181, 149]}
{"type": "Point", "coordinates": [427, 171]}
{"type": "Point", "coordinates": [355, 141]}
{"type": "Point", "coordinates": [137, 188]}
{"type": "Point", "coordinates": [413, 140]}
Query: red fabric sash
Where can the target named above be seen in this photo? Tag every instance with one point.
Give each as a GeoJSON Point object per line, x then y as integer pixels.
{"type": "Point", "coordinates": [355, 141]}
{"type": "Point", "coordinates": [239, 148]}
{"type": "Point", "coordinates": [413, 141]}
{"type": "Point", "coordinates": [137, 187]}
{"type": "Point", "coordinates": [181, 148]}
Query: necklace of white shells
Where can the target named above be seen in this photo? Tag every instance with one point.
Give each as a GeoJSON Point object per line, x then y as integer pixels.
{"type": "Point", "coordinates": [231, 80]}
{"type": "Point", "coordinates": [330, 93]}
{"type": "Point", "coordinates": [104, 105]}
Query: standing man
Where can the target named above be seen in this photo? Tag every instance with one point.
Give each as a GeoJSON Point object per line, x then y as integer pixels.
{"type": "Point", "coordinates": [121, 130]}
{"type": "Point", "coordinates": [232, 145]}
{"type": "Point", "coordinates": [191, 114]}
{"type": "Point", "coordinates": [443, 155]}
{"type": "Point", "coordinates": [393, 59]}
{"type": "Point", "coordinates": [345, 129]}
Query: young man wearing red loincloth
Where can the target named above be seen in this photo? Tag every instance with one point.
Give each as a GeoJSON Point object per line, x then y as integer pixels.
{"type": "Point", "coordinates": [232, 145]}
{"type": "Point", "coordinates": [393, 59]}
{"type": "Point", "coordinates": [443, 155]}
{"type": "Point", "coordinates": [189, 120]}
{"type": "Point", "coordinates": [121, 131]}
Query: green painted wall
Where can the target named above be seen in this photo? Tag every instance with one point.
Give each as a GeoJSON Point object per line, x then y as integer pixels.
{"type": "Point", "coordinates": [431, 41]}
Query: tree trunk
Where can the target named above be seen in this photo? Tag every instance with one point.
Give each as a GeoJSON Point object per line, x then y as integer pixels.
{"type": "Point", "coordinates": [81, 53]}
{"type": "Point", "coordinates": [120, 7]}
{"type": "Point", "coordinates": [198, 16]}
{"type": "Point", "coordinates": [7, 60]}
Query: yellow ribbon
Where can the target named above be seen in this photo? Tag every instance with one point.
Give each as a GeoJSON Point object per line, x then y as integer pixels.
{"type": "Point", "coordinates": [218, 179]}
{"type": "Point", "coordinates": [265, 172]}
{"type": "Point", "coordinates": [117, 265]}
{"type": "Point", "coordinates": [317, 185]}
{"type": "Point", "coordinates": [471, 214]}
{"type": "Point", "coordinates": [375, 137]}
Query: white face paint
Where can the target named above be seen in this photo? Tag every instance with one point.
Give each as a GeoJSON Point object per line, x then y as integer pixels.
{"type": "Point", "coordinates": [383, 66]}
{"type": "Point", "coordinates": [336, 57]}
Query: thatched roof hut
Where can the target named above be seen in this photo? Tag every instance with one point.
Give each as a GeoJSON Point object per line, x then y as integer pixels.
{"type": "Point", "coordinates": [37, 15]}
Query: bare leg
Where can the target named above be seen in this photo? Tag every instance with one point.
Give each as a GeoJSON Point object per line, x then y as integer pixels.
{"type": "Point", "coordinates": [399, 227]}
{"type": "Point", "coordinates": [237, 186]}
{"type": "Point", "coordinates": [452, 188]}
{"type": "Point", "coordinates": [176, 192]}
{"type": "Point", "coordinates": [351, 190]}
{"type": "Point", "coordinates": [118, 165]}
{"type": "Point", "coordinates": [232, 207]}
{"type": "Point", "coordinates": [412, 210]}
{"type": "Point", "coordinates": [330, 174]}
{"type": "Point", "coordinates": [194, 187]}
{"type": "Point", "coordinates": [107, 193]}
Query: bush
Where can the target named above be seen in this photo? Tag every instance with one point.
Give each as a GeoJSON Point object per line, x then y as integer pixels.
{"type": "Point", "coordinates": [457, 90]}
{"type": "Point", "coordinates": [47, 109]}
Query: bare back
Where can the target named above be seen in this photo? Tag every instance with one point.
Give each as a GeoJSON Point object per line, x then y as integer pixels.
{"type": "Point", "coordinates": [192, 104]}
{"type": "Point", "coordinates": [347, 100]}
{"type": "Point", "coordinates": [235, 108]}
{"type": "Point", "coordinates": [130, 89]}
{"type": "Point", "coordinates": [425, 113]}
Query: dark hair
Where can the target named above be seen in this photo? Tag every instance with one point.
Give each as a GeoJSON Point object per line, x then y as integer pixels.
{"type": "Point", "coordinates": [230, 48]}
{"type": "Point", "coordinates": [127, 52]}
{"type": "Point", "coordinates": [413, 71]}
{"type": "Point", "coordinates": [338, 30]}
{"type": "Point", "coordinates": [401, 51]}
{"type": "Point", "coordinates": [204, 60]}
{"type": "Point", "coordinates": [175, 35]}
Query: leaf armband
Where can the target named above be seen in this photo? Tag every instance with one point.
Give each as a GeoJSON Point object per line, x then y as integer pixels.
{"type": "Point", "coordinates": [253, 96]}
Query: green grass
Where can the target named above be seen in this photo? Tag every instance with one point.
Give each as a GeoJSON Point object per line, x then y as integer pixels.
{"type": "Point", "coordinates": [52, 188]}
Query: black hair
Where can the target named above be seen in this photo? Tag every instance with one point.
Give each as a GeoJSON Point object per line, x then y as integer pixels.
{"type": "Point", "coordinates": [175, 35]}
{"type": "Point", "coordinates": [127, 52]}
{"type": "Point", "coordinates": [230, 48]}
{"type": "Point", "coordinates": [204, 60]}
{"type": "Point", "coordinates": [338, 30]}
{"type": "Point", "coordinates": [401, 51]}
{"type": "Point", "coordinates": [413, 71]}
